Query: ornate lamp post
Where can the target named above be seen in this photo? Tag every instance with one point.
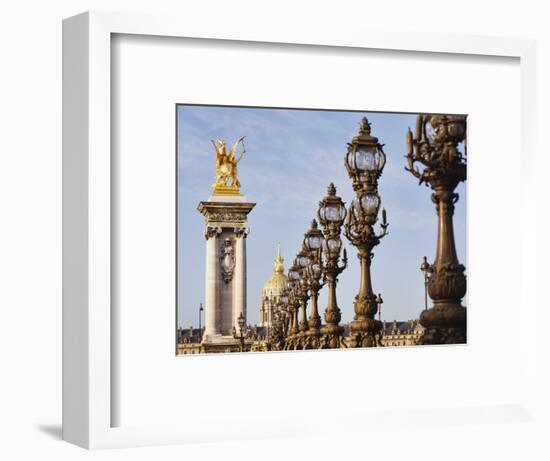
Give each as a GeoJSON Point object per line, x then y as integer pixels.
{"type": "Point", "coordinates": [281, 305]}
{"type": "Point", "coordinates": [269, 317]}
{"type": "Point", "coordinates": [294, 277]}
{"type": "Point", "coordinates": [435, 146]}
{"type": "Point", "coordinates": [331, 214]}
{"type": "Point", "coordinates": [313, 241]}
{"type": "Point", "coordinates": [365, 160]}
{"type": "Point", "coordinates": [277, 337]}
{"type": "Point", "coordinates": [303, 261]}
{"type": "Point", "coordinates": [379, 301]}
{"type": "Point", "coordinates": [283, 309]}
{"type": "Point", "coordinates": [426, 269]}
{"type": "Point", "coordinates": [201, 309]}
{"type": "Point", "coordinates": [294, 304]}
{"type": "Point", "coordinates": [241, 321]}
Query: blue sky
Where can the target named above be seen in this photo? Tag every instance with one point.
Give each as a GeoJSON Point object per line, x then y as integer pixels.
{"type": "Point", "coordinates": [292, 156]}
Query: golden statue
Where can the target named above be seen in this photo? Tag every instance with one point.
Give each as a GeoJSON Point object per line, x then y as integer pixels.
{"type": "Point", "coordinates": [226, 167]}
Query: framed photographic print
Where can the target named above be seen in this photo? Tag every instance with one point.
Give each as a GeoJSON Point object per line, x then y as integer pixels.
{"type": "Point", "coordinates": [292, 174]}
{"type": "Point", "coordinates": [252, 214]}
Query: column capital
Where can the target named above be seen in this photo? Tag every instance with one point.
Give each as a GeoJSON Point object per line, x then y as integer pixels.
{"type": "Point", "coordinates": [241, 232]}
{"type": "Point", "coordinates": [226, 214]}
{"type": "Point", "coordinates": [212, 231]}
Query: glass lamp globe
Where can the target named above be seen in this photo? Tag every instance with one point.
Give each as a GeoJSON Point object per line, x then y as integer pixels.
{"type": "Point", "coordinates": [313, 242]}
{"type": "Point", "coordinates": [456, 128]}
{"type": "Point", "coordinates": [313, 238]}
{"type": "Point", "coordinates": [293, 273]}
{"type": "Point", "coordinates": [363, 158]}
{"type": "Point", "coordinates": [370, 203]}
{"type": "Point", "coordinates": [335, 212]}
{"type": "Point", "coordinates": [331, 208]}
{"type": "Point", "coordinates": [356, 208]}
{"type": "Point", "coordinates": [334, 245]}
{"type": "Point", "coordinates": [303, 260]}
{"type": "Point", "coordinates": [431, 132]}
{"type": "Point", "coordinates": [425, 266]}
{"type": "Point", "coordinates": [316, 269]}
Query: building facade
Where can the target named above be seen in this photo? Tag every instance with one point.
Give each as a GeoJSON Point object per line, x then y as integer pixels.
{"type": "Point", "coordinates": [407, 333]}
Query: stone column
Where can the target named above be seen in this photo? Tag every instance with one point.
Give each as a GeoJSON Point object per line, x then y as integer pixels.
{"type": "Point", "coordinates": [225, 277]}
{"type": "Point", "coordinates": [211, 285]}
{"type": "Point", "coordinates": [239, 280]}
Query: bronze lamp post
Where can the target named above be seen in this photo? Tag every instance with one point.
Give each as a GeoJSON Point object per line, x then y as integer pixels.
{"type": "Point", "coordinates": [331, 214]}
{"type": "Point", "coordinates": [313, 241]}
{"type": "Point", "coordinates": [365, 160]}
{"type": "Point", "coordinates": [289, 312]}
{"type": "Point", "coordinates": [293, 306]}
{"type": "Point", "coordinates": [436, 147]}
{"type": "Point", "coordinates": [277, 333]}
{"type": "Point", "coordinates": [426, 269]}
{"type": "Point", "coordinates": [241, 322]}
{"type": "Point", "coordinates": [302, 287]}
{"type": "Point", "coordinates": [283, 310]}
{"type": "Point", "coordinates": [379, 301]}
{"type": "Point", "coordinates": [201, 310]}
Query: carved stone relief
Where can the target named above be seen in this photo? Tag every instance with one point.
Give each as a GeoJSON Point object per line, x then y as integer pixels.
{"type": "Point", "coordinates": [227, 260]}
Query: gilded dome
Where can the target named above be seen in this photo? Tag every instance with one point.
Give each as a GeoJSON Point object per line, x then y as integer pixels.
{"type": "Point", "coordinates": [275, 284]}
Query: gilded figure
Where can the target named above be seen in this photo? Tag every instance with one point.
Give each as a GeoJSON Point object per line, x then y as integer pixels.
{"type": "Point", "coordinates": [226, 164]}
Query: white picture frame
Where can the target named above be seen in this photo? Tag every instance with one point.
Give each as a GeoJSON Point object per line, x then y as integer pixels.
{"type": "Point", "coordinates": [88, 363]}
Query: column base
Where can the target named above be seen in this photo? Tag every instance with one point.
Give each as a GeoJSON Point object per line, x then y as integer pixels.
{"type": "Point", "coordinates": [219, 339]}
{"type": "Point", "coordinates": [223, 344]}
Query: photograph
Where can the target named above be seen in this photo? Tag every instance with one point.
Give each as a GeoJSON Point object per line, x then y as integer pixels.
{"type": "Point", "coordinates": [304, 229]}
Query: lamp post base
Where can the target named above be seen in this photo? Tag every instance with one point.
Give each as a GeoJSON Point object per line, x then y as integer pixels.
{"type": "Point", "coordinates": [290, 343]}
{"type": "Point", "coordinates": [313, 339]}
{"type": "Point", "coordinates": [366, 339]}
{"type": "Point", "coordinates": [445, 323]}
{"type": "Point", "coordinates": [332, 337]}
{"type": "Point", "coordinates": [366, 332]}
{"type": "Point", "coordinates": [300, 340]}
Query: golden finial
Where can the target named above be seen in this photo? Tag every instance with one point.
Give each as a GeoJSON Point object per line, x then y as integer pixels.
{"type": "Point", "coordinates": [279, 261]}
